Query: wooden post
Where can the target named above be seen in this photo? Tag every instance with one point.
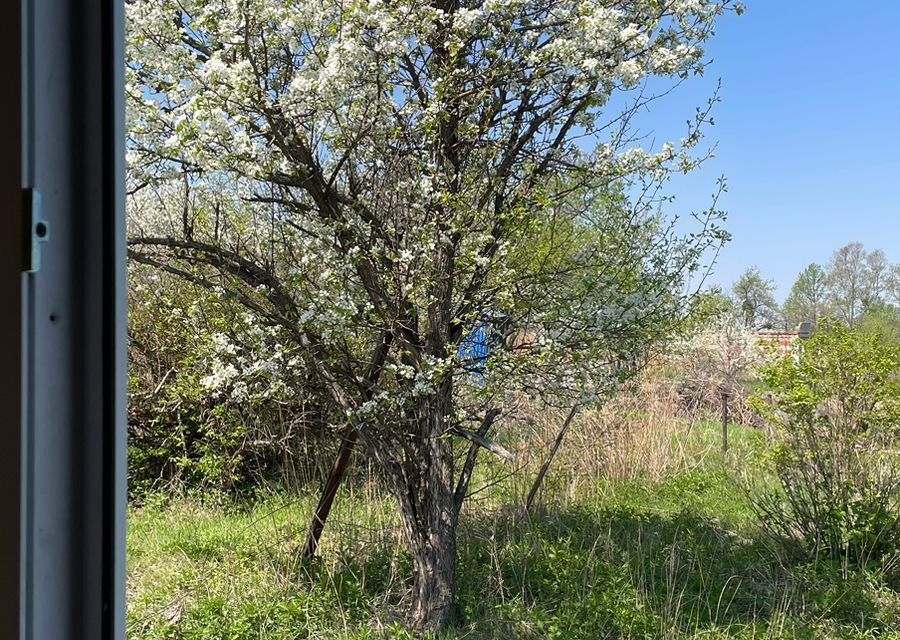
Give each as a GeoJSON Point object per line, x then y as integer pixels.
{"type": "Point", "coordinates": [348, 443]}
{"type": "Point", "coordinates": [725, 395]}
{"type": "Point", "coordinates": [544, 467]}
{"type": "Point", "coordinates": [330, 491]}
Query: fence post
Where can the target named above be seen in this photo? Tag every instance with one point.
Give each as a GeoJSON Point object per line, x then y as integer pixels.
{"type": "Point", "coordinates": [725, 396]}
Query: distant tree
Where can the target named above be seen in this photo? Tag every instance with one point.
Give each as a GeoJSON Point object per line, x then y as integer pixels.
{"type": "Point", "coordinates": [875, 279]}
{"type": "Point", "coordinates": [754, 297]}
{"type": "Point", "coordinates": [883, 321]}
{"type": "Point", "coordinates": [713, 303]}
{"type": "Point", "coordinates": [807, 300]}
{"type": "Point", "coordinates": [847, 282]}
{"type": "Point", "coordinates": [892, 285]}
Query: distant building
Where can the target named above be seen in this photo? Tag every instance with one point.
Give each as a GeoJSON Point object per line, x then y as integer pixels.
{"type": "Point", "coordinates": [784, 343]}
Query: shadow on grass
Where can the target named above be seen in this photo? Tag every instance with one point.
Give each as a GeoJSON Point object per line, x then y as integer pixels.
{"type": "Point", "coordinates": [587, 572]}
{"type": "Point", "coordinates": [623, 573]}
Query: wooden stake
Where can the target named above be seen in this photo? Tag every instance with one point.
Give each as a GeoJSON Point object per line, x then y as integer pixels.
{"type": "Point", "coordinates": [331, 487]}
{"type": "Point", "coordinates": [725, 395]}
{"type": "Point", "coordinates": [544, 467]}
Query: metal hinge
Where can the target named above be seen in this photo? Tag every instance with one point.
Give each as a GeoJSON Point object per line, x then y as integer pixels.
{"type": "Point", "coordinates": [36, 230]}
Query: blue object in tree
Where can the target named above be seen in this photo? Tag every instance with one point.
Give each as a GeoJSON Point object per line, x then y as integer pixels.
{"type": "Point", "coordinates": [474, 350]}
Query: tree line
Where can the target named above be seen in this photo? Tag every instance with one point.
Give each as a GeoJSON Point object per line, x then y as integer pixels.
{"type": "Point", "coordinates": [856, 286]}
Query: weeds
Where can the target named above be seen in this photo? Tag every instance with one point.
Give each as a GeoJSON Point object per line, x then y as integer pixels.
{"type": "Point", "coordinates": [625, 552]}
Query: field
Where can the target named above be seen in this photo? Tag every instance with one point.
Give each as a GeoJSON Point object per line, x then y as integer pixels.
{"type": "Point", "coordinates": [650, 535]}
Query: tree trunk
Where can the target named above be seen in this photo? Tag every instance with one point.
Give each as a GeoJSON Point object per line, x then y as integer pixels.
{"type": "Point", "coordinates": [434, 576]}
{"type": "Point", "coordinates": [424, 483]}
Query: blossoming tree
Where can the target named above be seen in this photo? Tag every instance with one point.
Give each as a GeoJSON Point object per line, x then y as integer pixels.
{"type": "Point", "coordinates": [377, 177]}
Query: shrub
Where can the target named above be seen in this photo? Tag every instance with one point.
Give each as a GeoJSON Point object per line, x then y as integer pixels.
{"type": "Point", "coordinates": [835, 407]}
{"type": "Point", "coordinates": [722, 356]}
{"type": "Point", "coordinates": [215, 400]}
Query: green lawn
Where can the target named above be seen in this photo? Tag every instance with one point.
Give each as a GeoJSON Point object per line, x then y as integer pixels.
{"type": "Point", "coordinates": [678, 558]}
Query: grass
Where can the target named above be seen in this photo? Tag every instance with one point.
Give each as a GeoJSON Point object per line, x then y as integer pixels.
{"type": "Point", "coordinates": [626, 555]}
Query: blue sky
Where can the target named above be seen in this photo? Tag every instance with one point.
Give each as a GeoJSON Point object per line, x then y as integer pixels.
{"type": "Point", "coordinates": [808, 132]}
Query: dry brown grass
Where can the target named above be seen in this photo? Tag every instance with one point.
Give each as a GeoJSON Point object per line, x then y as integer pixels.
{"type": "Point", "coordinates": [642, 433]}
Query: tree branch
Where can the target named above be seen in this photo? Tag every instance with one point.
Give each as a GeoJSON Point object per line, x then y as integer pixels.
{"type": "Point", "coordinates": [465, 476]}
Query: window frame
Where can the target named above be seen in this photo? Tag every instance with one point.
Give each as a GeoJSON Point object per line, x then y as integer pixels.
{"type": "Point", "coordinates": [63, 327]}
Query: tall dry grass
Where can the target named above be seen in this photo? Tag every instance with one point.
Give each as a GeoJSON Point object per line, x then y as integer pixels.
{"type": "Point", "coordinates": [642, 433]}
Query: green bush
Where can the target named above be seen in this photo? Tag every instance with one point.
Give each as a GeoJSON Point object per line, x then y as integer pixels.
{"type": "Point", "coordinates": [836, 410]}
{"type": "Point", "coordinates": [216, 401]}
{"type": "Point", "coordinates": [883, 321]}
